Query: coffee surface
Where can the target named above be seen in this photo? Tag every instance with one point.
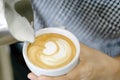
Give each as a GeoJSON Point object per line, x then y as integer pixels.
{"type": "Point", "coordinates": [50, 51]}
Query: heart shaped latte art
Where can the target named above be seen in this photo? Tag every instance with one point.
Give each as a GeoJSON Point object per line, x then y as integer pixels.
{"type": "Point", "coordinates": [51, 51]}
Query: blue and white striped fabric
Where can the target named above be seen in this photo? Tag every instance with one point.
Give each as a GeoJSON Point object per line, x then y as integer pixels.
{"type": "Point", "coordinates": [95, 22]}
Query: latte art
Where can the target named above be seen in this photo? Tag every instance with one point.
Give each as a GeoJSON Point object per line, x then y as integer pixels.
{"type": "Point", "coordinates": [51, 51]}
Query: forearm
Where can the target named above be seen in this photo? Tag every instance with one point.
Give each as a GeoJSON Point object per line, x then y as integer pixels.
{"type": "Point", "coordinates": [118, 58]}
{"type": "Point", "coordinates": [118, 73]}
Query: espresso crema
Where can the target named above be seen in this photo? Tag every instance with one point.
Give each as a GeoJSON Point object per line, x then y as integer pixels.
{"type": "Point", "coordinates": [50, 51]}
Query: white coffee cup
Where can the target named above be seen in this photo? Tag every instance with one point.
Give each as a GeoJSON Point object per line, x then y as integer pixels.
{"type": "Point", "coordinates": [59, 71]}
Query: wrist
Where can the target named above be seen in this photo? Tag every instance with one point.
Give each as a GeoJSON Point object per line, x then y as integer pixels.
{"type": "Point", "coordinates": [117, 77]}
{"type": "Point", "coordinates": [117, 73]}
{"type": "Point", "coordinates": [117, 58]}
{"type": "Point", "coordinates": [113, 69]}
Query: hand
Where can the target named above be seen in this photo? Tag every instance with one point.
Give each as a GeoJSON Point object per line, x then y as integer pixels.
{"type": "Point", "coordinates": [94, 65]}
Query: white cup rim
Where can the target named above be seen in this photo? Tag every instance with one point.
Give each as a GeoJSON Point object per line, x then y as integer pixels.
{"type": "Point", "coordinates": [76, 42]}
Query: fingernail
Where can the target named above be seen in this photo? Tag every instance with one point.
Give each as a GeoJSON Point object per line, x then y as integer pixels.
{"type": "Point", "coordinates": [31, 76]}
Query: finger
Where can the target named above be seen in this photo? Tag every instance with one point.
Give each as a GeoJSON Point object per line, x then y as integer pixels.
{"type": "Point", "coordinates": [32, 76]}
{"type": "Point", "coordinates": [45, 78]}
{"type": "Point", "coordinates": [75, 73]}
{"type": "Point", "coordinates": [80, 72]}
{"type": "Point", "coordinates": [61, 78]}
{"type": "Point", "coordinates": [53, 78]}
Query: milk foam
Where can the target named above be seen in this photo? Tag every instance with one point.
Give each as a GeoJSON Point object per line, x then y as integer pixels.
{"type": "Point", "coordinates": [60, 55]}
{"type": "Point", "coordinates": [50, 48]}
{"type": "Point", "coordinates": [51, 51]}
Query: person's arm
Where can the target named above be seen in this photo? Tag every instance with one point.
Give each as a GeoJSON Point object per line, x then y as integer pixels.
{"type": "Point", "coordinates": [118, 58]}
{"type": "Point", "coordinates": [94, 65]}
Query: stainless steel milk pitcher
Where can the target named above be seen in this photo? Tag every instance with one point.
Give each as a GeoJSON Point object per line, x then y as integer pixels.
{"type": "Point", "coordinates": [13, 27]}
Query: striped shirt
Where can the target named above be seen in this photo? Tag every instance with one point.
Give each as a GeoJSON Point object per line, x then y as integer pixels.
{"type": "Point", "coordinates": [96, 23]}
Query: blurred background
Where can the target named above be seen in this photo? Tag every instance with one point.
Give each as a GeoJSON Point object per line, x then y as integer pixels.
{"type": "Point", "coordinates": [12, 64]}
